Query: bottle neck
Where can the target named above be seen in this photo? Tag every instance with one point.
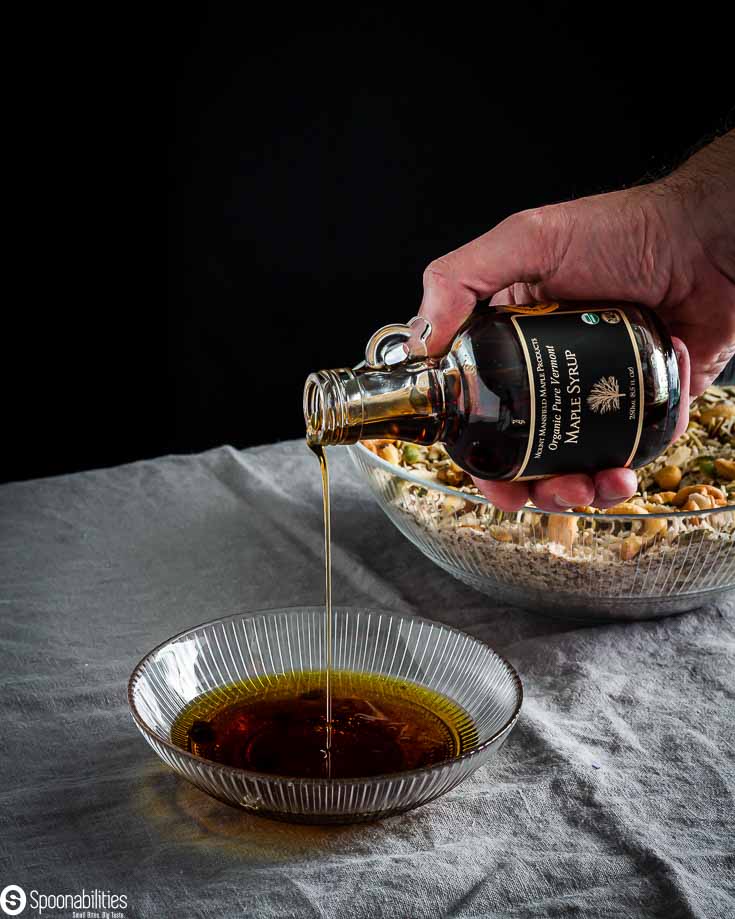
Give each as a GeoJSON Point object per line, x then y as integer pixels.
{"type": "Point", "coordinates": [406, 403]}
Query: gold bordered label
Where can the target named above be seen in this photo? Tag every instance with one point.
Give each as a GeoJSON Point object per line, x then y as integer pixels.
{"type": "Point", "coordinates": [585, 389]}
{"type": "Point", "coordinates": [533, 309]}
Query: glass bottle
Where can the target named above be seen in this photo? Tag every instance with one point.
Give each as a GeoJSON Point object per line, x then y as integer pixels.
{"type": "Point", "coordinates": [523, 392]}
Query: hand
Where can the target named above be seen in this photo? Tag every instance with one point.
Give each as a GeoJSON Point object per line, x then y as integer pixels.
{"type": "Point", "coordinates": [669, 245]}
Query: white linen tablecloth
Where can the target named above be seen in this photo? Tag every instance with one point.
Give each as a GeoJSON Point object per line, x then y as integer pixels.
{"type": "Point", "coordinates": [614, 796]}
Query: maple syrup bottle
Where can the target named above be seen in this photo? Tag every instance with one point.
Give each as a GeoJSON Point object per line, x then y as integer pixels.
{"type": "Point", "coordinates": [523, 392]}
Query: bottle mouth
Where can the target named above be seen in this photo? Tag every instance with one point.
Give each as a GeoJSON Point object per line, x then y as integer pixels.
{"type": "Point", "coordinates": [332, 407]}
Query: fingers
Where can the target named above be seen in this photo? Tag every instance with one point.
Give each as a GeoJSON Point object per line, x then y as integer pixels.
{"type": "Point", "coordinates": [685, 374]}
{"type": "Point", "coordinates": [524, 247]}
{"type": "Point", "coordinates": [508, 496]}
{"type": "Point", "coordinates": [518, 293]}
{"type": "Point", "coordinates": [613, 486]}
{"type": "Point", "coordinates": [562, 492]}
{"type": "Point", "coordinates": [447, 301]}
{"type": "Point", "coordinates": [709, 333]}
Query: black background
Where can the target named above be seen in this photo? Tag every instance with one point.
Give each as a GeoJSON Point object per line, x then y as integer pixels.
{"type": "Point", "coordinates": [214, 203]}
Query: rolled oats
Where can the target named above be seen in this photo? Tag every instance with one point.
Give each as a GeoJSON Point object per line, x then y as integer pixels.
{"type": "Point", "coordinates": [566, 552]}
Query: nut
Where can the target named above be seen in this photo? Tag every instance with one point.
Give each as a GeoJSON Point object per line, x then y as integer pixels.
{"type": "Point", "coordinates": [654, 526]}
{"type": "Point", "coordinates": [583, 509]}
{"type": "Point", "coordinates": [630, 547]}
{"type": "Point", "coordinates": [452, 503]}
{"type": "Point", "coordinates": [390, 452]}
{"type": "Point", "coordinates": [451, 475]}
{"type": "Point", "coordinates": [663, 497]}
{"type": "Point", "coordinates": [683, 494]}
{"type": "Point", "coordinates": [626, 508]}
{"type": "Point", "coordinates": [500, 533]}
{"type": "Point", "coordinates": [721, 410]}
{"type": "Point", "coordinates": [697, 502]}
{"type": "Point", "coordinates": [680, 455]}
{"type": "Point", "coordinates": [725, 469]}
{"type": "Point", "coordinates": [668, 477]}
{"type": "Point", "coordinates": [562, 529]}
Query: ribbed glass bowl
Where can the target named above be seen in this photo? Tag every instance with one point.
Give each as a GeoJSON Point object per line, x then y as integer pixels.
{"type": "Point", "coordinates": [577, 565]}
{"type": "Point", "coordinates": [263, 645]}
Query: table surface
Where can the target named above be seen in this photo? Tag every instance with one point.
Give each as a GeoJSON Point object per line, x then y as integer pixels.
{"type": "Point", "coordinates": [614, 796]}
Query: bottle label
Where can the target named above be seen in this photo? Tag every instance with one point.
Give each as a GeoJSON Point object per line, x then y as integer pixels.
{"type": "Point", "coordinates": [586, 389]}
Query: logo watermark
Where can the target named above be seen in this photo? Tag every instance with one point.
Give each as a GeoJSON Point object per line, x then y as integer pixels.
{"type": "Point", "coordinates": [87, 904]}
{"type": "Point", "coordinates": [12, 900]}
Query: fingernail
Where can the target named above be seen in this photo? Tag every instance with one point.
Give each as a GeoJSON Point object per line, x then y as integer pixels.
{"type": "Point", "coordinates": [562, 502]}
{"type": "Point", "coordinates": [608, 495]}
{"type": "Point", "coordinates": [679, 347]}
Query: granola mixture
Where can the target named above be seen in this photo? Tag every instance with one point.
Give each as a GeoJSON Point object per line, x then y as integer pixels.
{"type": "Point", "coordinates": [642, 555]}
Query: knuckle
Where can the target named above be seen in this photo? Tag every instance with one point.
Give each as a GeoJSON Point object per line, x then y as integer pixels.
{"type": "Point", "coordinates": [544, 223]}
{"type": "Point", "coordinates": [534, 221]}
{"type": "Point", "coordinates": [533, 218]}
{"type": "Point", "coordinates": [546, 231]}
{"type": "Point", "coordinates": [437, 272]}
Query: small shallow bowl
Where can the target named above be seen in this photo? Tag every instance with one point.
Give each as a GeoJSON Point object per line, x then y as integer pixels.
{"type": "Point", "coordinates": [263, 644]}
{"type": "Point", "coordinates": [573, 565]}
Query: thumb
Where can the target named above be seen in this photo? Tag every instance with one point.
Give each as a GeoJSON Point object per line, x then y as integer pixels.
{"type": "Point", "coordinates": [682, 359]}
{"type": "Point", "coordinates": [527, 246]}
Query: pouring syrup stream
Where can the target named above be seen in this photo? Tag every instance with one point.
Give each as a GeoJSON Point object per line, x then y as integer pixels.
{"type": "Point", "coordinates": [318, 451]}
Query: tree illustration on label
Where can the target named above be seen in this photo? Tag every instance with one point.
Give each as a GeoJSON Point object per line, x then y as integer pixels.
{"type": "Point", "coordinates": [605, 396]}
